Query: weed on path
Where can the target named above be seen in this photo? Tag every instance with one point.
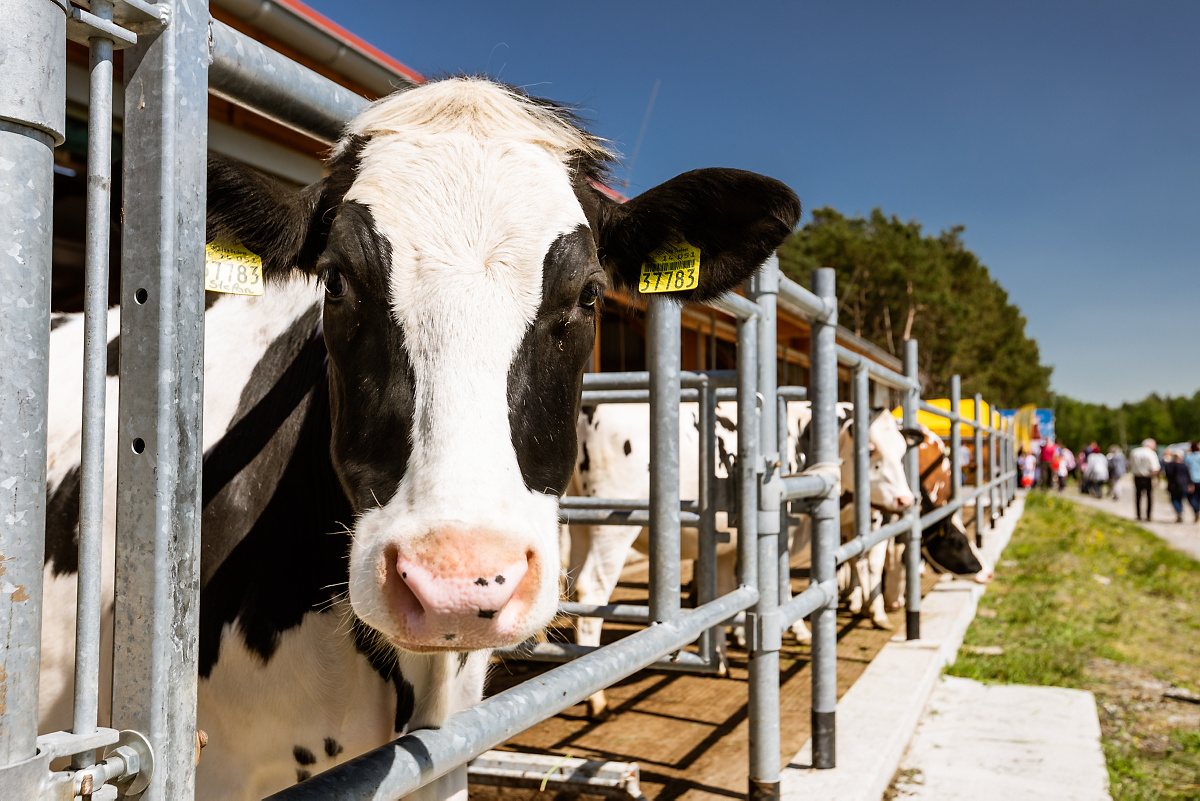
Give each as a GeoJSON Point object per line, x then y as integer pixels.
{"type": "Point", "coordinates": [1084, 599]}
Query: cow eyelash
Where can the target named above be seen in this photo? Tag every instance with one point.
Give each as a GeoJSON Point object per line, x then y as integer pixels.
{"type": "Point", "coordinates": [335, 283]}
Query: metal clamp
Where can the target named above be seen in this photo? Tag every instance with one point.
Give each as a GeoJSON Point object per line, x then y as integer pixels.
{"type": "Point", "coordinates": [83, 26]}
{"type": "Point", "coordinates": [764, 631]}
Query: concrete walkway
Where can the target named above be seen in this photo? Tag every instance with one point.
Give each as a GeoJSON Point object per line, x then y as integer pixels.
{"type": "Point", "coordinates": [980, 742]}
{"type": "Point", "coordinates": [877, 716]}
{"type": "Point", "coordinates": [1183, 536]}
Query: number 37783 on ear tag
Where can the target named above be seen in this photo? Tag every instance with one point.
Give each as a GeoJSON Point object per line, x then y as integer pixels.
{"type": "Point", "coordinates": [232, 269]}
{"type": "Point", "coordinates": [671, 268]}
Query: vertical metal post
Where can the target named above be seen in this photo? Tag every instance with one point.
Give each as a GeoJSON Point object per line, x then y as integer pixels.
{"type": "Point", "coordinates": [955, 439]}
{"type": "Point", "coordinates": [662, 358]}
{"type": "Point", "coordinates": [706, 561]}
{"type": "Point", "coordinates": [825, 537]}
{"type": "Point", "coordinates": [993, 469]}
{"type": "Point", "coordinates": [912, 466]}
{"type": "Point", "coordinates": [32, 122]}
{"type": "Point", "coordinates": [979, 470]}
{"type": "Point", "coordinates": [862, 456]}
{"type": "Point", "coordinates": [785, 556]}
{"type": "Point", "coordinates": [161, 398]}
{"type": "Point", "coordinates": [95, 364]}
{"type": "Point", "coordinates": [747, 459]}
{"type": "Point", "coordinates": [767, 639]}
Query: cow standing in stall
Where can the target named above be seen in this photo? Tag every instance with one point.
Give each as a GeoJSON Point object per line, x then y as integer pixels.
{"type": "Point", "coordinates": [945, 545]}
{"type": "Point", "coordinates": [388, 428]}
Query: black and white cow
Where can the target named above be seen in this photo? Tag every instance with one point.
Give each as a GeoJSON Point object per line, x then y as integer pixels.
{"type": "Point", "coordinates": [384, 446]}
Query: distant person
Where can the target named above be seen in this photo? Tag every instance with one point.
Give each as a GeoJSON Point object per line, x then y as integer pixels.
{"type": "Point", "coordinates": [1192, 460]}
{"type": "Point", "coordinates": [1117, 468]}
{"type": "Point", "coordinates": [1179, 482]}
{"type": "Point", "coordinates": [1143, 463]}
{"type": "Point", "coordinates": [964, 461]}
{"type": "Point", "coordinates": [1060, 468]}
{"type": "Point", "coordinates": [1028, 464]}
{"type": "Point", "coordinates": [1096, 471]}
{"type": "Point", "coordinates": [1045, 461]}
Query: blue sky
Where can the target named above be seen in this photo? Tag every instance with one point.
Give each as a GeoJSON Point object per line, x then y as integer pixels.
{"type": "Point", "coordinates": [1065, 136]}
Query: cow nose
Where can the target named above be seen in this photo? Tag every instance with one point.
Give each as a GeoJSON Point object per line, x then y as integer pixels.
{"type": "Point", "coordinates": [482, 590]}
{"type": "Point", "coordinates": [903, 502]}
{"type": "Point", "coordinates": [463, 590]}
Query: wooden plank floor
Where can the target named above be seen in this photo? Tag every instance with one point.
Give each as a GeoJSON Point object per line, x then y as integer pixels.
{"type": "Point", "coordinates": [688, 733]}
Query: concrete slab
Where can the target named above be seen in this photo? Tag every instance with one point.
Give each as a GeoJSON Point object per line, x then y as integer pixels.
{"type": "Point", "coordinates": [980, 742]}
{"type": "Point", "coordinates": [895, 689]}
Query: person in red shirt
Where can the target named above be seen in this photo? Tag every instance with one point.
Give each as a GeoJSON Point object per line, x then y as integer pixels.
{"type": "Point", "coordinates": [1049, 451]}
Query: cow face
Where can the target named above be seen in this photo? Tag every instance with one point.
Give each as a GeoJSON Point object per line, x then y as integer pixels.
{"type": "Point", "coordinates": [463, 249]}
{"type": "Point", "coordinates": [887, 444]}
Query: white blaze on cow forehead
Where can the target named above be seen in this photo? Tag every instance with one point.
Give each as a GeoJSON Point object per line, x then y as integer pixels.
{"type": "Point", "coordinates": [469, 210]}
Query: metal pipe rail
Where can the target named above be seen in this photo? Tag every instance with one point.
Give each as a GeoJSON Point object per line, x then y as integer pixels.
{"type": "Point", "coordinates": [813, 305]}
{"type": "Point", "coordinates": [954, 417]}
{"type": "Point", "coordinates": [421, 757]}
{"type": "Point", "coordinates": [641, 380]}
{"type": "Point", "coordinates": [252, 75]}
{"type": "Point", "coordinates": [883, 375]}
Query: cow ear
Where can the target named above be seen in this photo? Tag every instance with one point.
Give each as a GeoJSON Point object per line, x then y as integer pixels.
{"type": "Point", "coordinates": [736, 219]}
{"type": "Point", "coordinates": [913, 436]}
{"type": "Point", "coordinates": [286, 227]}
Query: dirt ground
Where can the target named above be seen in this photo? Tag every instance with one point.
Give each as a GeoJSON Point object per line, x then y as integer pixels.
{"type": "Point", "coordinates": [688, 733]}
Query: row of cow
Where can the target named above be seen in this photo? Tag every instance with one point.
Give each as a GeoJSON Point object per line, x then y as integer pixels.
{"type": "Point", "coordinates": [614, 463]}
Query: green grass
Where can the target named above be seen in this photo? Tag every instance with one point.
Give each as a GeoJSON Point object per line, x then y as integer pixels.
{"type": "Point", "coordinates": [1083, 599]}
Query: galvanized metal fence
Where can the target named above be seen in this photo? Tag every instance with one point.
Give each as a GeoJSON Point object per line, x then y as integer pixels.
{"type": "Point", "coordinates": [174, 55]}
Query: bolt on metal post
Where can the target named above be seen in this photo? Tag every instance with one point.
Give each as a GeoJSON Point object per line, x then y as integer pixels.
{"type": "Point", "coordinates": [825, 537]}
{"type": "Point", "coordinates": [32, 123]}
{"type": "Point", "coordinates": [912, 467]}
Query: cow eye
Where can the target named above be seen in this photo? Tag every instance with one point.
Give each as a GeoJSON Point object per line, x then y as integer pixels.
{"type": "Point", "coordinates": [590, 294]}
{"type": "Point", "coordinates": [335, 284]}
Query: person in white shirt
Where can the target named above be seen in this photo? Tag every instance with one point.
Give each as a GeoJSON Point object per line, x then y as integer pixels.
{"type": "Point", "coordinates": [1144, 465]}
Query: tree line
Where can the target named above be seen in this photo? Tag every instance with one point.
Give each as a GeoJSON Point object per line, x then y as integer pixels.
{"type": "Point", "coordinates": [895, 282]}
{"type": "Point", "coordinates": [1166, 420]}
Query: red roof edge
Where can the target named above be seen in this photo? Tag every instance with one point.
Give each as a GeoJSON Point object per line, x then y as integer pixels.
{"type": "Point", "coordinates": [350, 40]}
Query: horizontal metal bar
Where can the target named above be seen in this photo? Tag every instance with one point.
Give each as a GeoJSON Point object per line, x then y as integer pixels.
{"type": "Point", "coordinates": [792, 393]}
{"type": "Point", "coordinates": [617, 613]}
{"type": "Point", "coordinates": [577, 502]}
{"type": "Point", "coordinates": [807, 602]}
{"type": "Point", "coordinates": [958, 418]}
{"type": "Point", "coordinates": [418, 758]}
{"type": "Point", "coordinates": [551, 771]}
{"type": "Point", "coordinates": [880, 373]}
{"type": "Point", "coordinates": [682, 661]}
{"type": "Point", "coordinates": [861, 545]}
{"type": "Point", "coordinates": [250, 74]}
{"type": "Point", "coordinates": [618, 517]}
{"type": "Point", "coordinates": [816, 485]}
{"type": "Point", "coordinates": [64, 743]}
{"type": "Point", "coordinates": [641, 379]}
{"type": "Point", "coordinates": [738, 306]}
{"type": "Point", "coordinates": [810, 304]}
{"type": "Point", "coordinates": [83, 26]}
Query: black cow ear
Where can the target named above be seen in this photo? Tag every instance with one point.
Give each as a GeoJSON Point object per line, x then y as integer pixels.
{"type": "Point", "coordinates": [914, 436]}
{"type": "Point", "coordinates": [735, 219]}
{"type": "Point", "coordinates": [286, 227]}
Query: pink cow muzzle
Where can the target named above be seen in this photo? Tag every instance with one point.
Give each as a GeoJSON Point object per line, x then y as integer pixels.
{"type": "Point", "coordinates": [460, 590]}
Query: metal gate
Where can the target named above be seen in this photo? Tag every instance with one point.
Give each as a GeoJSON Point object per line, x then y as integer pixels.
{"type": "Point", "coordinates": [175, 54]}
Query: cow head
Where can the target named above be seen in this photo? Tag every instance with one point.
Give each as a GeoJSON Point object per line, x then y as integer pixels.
{"type": "Point", "coordinates": [887, 444]}
{"type": "Point", "coordinates": [463, 249]}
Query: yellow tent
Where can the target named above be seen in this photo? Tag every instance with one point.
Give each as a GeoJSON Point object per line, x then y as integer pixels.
{"type": "Point", "coordinates": [940, 426]}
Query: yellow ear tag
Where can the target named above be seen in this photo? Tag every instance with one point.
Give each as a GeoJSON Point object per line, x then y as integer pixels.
{"type": "Point", "coordinates": [232, 269]}
{"type": "Point", "coordinates": [671, 268]}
